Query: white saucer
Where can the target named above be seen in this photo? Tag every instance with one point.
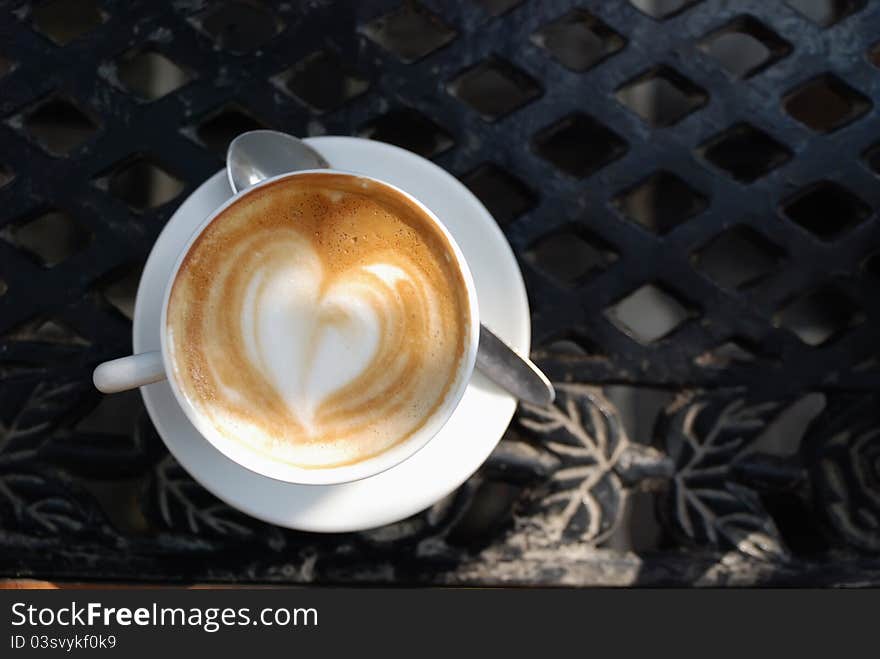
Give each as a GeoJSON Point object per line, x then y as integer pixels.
{"type": "Point", "coordinates": [451, 457]}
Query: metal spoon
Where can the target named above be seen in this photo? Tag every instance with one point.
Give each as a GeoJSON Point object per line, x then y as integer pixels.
{"type": "Point", "coordinates": [261, 154]}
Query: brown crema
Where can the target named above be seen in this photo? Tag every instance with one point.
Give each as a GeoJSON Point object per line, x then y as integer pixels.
{"type": "Point", "coordinates": [320, 320]}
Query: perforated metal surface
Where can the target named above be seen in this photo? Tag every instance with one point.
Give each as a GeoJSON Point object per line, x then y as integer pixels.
{"type": "Point", "coordinates": [691, 188]}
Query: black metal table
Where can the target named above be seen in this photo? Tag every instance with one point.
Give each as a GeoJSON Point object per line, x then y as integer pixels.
{"type": "Point", "coordinates": [691, 188]}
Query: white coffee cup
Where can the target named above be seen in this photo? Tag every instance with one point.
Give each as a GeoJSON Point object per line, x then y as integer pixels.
{"type": "Point", "coordinates": [149, 367]}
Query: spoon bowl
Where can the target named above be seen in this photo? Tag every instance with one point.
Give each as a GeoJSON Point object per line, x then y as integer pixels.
{"type": "Point", "coordinates": [261, 154]}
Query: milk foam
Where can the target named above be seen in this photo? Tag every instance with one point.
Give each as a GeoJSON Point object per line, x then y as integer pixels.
{"type": "Point", "coordinates": [321, 321]}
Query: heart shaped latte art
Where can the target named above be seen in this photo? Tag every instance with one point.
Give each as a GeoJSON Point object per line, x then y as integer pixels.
{"type": "Point", "coordinates": [310, 340]}
{"type": "Point", "coordinates": [319, 327]}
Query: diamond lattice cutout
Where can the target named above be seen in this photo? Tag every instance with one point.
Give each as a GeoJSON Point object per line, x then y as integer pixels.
{"type": "Point", "coordinates": [826, 12]}
{"type": "Point", "coordinates": [738, 257]}
{"type": "Point", "coordinates": [149, 74]}
{"type": "Point", "coordinates": [504, 195]}
{"type": "Point", "coordinates": [410, 32]}
{"type": "Point", "coordinates": [648, 314]}
{"type": "Point", "coordinates": [579, 40]}
{"type": "Point", "coordinates": [222, 126]}
{"type": "Point", "coordinates": [141, 183]}
{"type": "Point", "coordinates": [570, 255]}
{"type": "Point", "coordinates": [322, 81]}
{"type": "Point", "coordinates": [50, 238]}
{"type": "Point", "coordinates": [826, 209]}
{"type": "Point", "coordinates": [744, 152]}
{"type": "Point", "coordinates": [495, 88]}
{"type": "Point", "coordinates": [745, 47]}
{"type": "Point", "coordinates": [578, 145]}
{"type": "Point", "coordinates": [660, 202]}
{"type": "Point", "coordinates": [825, 104]}
{"type": "Point", "coordinates": [662, 96]}
{"type": "Point", "coordinates": [820, 315]}
{"type": "Point", "coordinates": [58, 125]}
{"type": "Point", "coordinates": [409, 130]}
{"type": "Point", "coordinates": [62, 21]}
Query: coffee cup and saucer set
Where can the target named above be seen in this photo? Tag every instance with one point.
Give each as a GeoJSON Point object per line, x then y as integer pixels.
{"type": "Point", "coordinates": [400, 480]}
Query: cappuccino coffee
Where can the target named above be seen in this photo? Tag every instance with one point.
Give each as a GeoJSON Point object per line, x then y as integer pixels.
{"type": "Point", "coordinates": [320, 320]}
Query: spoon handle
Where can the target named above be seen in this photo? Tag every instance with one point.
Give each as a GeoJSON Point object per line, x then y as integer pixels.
{"type": "Point", "coordinates": [513, 372]}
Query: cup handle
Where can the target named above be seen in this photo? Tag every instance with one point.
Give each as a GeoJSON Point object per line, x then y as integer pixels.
{"type": "Point", "coordinates": [129, 372]}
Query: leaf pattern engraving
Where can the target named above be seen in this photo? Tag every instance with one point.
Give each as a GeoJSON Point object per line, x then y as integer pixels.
{"type": "Point", "coordinates": [32, 495]}
{"type": "Point", "coordinates": [24, 434]}
{"type": "Point", "coordinates": [843, 452]}
{"type": "Point", "coordinates": [584, 494]}
{"type": "Point", "coordinates": [704, 437]}
{"type": "Point", "coordinates": [36, 502]}
{"type": "Point", "coordinates": [184, 504]}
